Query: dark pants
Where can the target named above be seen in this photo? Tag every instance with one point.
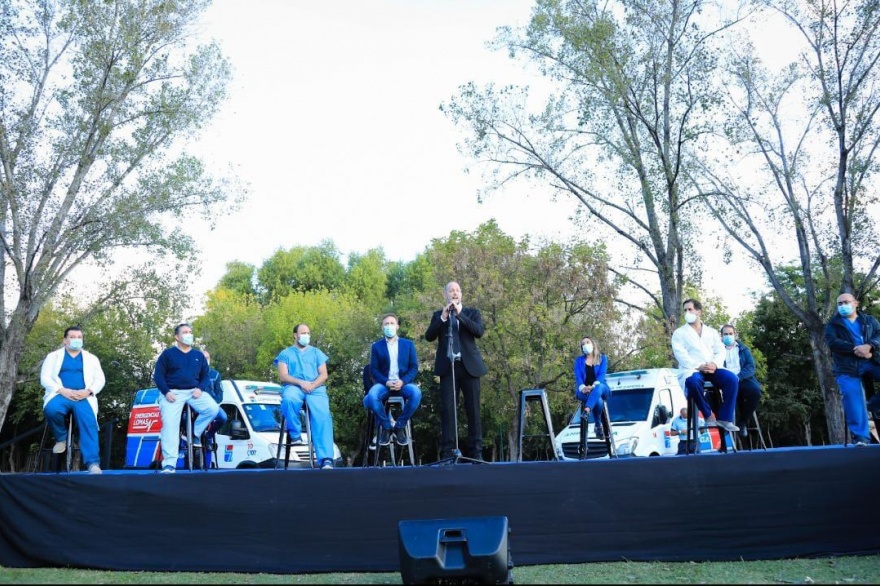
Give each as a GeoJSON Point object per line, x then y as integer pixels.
{"type": "Point", "coordinates": [747, 400]}
{"type": "Point", "coordinates": [470, 392]}
{"type": "Point", "coordinates": [686, 447]}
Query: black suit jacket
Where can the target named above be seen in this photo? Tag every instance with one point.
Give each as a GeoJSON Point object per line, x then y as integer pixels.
{"type": "Point", "coordinates": [470, 328]}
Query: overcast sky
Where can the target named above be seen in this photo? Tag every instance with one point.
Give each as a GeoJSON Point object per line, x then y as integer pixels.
{"type": "Point", "coordinates": [333, 121]}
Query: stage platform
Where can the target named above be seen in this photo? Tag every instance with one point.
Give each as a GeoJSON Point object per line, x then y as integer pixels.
{"type": "Point", "coordinates": [771, 504]}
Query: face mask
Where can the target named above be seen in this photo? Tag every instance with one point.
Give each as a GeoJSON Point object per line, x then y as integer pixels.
{"type": "Point", "coordinates": [186, 339]}
{"type": "Point", "coordinates": [76, 344]}
{"type": "Point", "coordinates": [390, 331]}
{"type": "Point", "coordinates": [845, 310]}
{"type": "Point", "coordinates": [305, 339]}
{"type": "Point", "coordinates": [728, 340]}
{"type": "Point", "coordinates": [690, 317]}
{"type": "Point", "coordinates": [587, 348]}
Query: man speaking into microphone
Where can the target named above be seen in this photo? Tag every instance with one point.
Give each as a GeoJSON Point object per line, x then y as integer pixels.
{"type": "Point", "coordinates": [459, 365]}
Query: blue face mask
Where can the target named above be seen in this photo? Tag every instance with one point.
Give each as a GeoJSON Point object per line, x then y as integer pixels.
{"type": "Point", "coordinates": [305, 339]}
{"type": "Point", "coordinates": [186, 339]}
{"type": "Point", "coordinates": [76, 344]}
{"type": "Point", "coordinates": [390, 330]}
{"type": "Point", "coordinates": [845, 310]}
{"type": "Point", "coordinates": [728, 340]}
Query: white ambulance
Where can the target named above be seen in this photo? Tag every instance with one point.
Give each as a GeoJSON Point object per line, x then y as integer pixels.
{"type": "Point", "coordinates": [642, 406]}
{"type": "Point", "coordinates": [249, 439]}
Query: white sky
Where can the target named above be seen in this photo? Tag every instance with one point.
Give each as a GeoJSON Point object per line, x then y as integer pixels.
{"type": "Point", "coordinates": [333, 121]}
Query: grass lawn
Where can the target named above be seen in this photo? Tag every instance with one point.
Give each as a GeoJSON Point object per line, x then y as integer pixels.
{"type": "Point", "coordinates": [840, 570]}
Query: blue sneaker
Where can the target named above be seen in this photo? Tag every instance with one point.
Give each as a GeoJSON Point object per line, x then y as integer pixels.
{"type": "Point", "coordinates": [327, 465]}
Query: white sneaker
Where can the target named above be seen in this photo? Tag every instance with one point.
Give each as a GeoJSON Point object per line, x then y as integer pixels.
{"type": "Point", "coordinates": [95, 469]}
{"type": "Point", "coordinates": [167, 470]}
{"type": "Point", "coordinates": [59, 447]}
{"type": "Point", "coordinates": [727, 425]}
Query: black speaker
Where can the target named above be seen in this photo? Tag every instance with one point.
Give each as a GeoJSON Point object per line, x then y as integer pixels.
{"type": "Point", "coordinates": [455, 551]}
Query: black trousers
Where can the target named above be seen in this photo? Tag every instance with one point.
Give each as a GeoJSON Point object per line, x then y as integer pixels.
{"type": "Point", "coordinates": [469, 386]}
{"type": "Point", "coordinates": [747, 400]}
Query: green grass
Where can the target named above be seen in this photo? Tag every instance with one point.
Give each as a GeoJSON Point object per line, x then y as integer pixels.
{"type": "Point", "coordinates": [841, 570]}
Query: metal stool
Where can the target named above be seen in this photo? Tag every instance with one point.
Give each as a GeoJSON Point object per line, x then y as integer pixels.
{"type": "Point", "coordinates": [583, 446]}
{"type": "Point", "coordinates": [540, 396]}
{"type": "Point", "coordinates": [752, 430]}
{"type": "Point", "coordinates": [287, 442]}
{"type": "Point", "coordinates": [392, 446]}
{"type": "Point", "coordinates": [192, 451]}
{"type": "Point", "coordinates": [47, 453]}
{"type": "Point", "coordinates": [714, 400]}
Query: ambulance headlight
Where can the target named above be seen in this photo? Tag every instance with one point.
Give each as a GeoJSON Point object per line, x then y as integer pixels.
{"type": "Point", "coordinates": [627, 446]}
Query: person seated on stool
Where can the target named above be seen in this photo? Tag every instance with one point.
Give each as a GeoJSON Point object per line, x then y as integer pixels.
{"type": "Point", "coordinates": [393, 368]}
{"type": "Point", "coordinates": [181, 375]}
{"type": "Point", "coordinates": [72, 377]}
{"type": "Point", "coordinates": [679, 427]}
{"type": "Point", "coordinates": [698, 350]}
{"type": "Point", "coordinates": [302, 369]}
{"type": "Point", "coordinates": [740, 362]}
{"type": "Point", "coordinates": [589, 382]}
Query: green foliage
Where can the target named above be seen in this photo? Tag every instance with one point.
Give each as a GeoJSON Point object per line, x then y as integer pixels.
{"type": "Point", "coordinates": [239, 277]}
{"type": "Point", "coordinates": [300, 269]}
{"type": "Point", "coordinates": [231, 329]}
{"type": "Point", "coordinates": [792, 410]}
{"type": "Point", "coordinates": [367, 278]}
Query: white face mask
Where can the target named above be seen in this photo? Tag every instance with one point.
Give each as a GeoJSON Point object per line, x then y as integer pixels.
{"type": "Point", "coordinates": [690, 317]}
{"type": "Point", "coordinates": [186, 339]}
{"type": "Point", "coordinates": [587, 348]}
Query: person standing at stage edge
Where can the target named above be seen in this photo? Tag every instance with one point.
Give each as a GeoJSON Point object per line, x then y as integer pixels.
{"type": "Point", "coordinates": [458, 358]}
{"type": "Point", "coordinates": [854, 340]}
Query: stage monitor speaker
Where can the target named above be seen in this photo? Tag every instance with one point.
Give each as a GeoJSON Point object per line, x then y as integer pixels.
{"type": "Point", "coordinates": [455, 551]}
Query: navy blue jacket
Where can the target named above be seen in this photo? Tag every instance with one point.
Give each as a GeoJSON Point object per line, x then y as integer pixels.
{"type": "Point", "coordinates": [380, 361]}
{"type": "Point", "coordinates": [840, 341]}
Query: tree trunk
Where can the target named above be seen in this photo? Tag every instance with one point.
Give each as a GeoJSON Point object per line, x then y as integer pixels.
{"type": "Point", "coordinates": [11, 351]}
{"type": "Point", "coordinates": [828, 385]}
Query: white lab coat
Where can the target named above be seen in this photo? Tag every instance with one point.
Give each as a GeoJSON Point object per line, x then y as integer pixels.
{"type": "Point", "coordinates": [691, 349]}
{"type": "Point", "coordinates": [51, 382]}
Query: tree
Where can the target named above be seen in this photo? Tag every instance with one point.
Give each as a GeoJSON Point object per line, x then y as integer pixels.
{"type": "Point", "coordinates": [300, 269]}
{"type": "Point", "coordinates": [239, 277]}
{"type": "Point", "coordinates": [92, 97]}
{"type": "Point", "coordinates": [805, 142]}
{"type": "Point", "coordinates": [633, 97]}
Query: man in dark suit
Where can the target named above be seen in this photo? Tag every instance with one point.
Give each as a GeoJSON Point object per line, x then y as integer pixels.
{"type": "Point", "coordinates": [456, 328]}
{"type": "Point", "coordinates": [393, 368]}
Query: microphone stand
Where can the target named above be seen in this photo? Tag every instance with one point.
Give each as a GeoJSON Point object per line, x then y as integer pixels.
{"type": "Point", "coordinates": [456, 452]}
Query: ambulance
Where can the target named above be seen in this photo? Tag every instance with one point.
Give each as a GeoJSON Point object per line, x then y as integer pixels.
{"type": "Point", "coordinates": [249, 439]}
{"type": "Point", "coordinates": [642, 406]}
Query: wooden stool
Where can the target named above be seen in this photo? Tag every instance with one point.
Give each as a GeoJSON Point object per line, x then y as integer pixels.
{"type": "Point", "coordinates": [540, 396]}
